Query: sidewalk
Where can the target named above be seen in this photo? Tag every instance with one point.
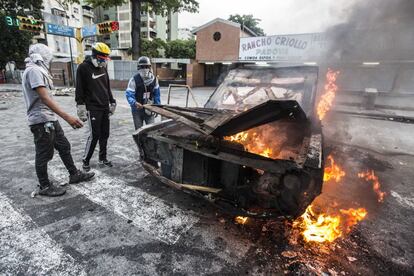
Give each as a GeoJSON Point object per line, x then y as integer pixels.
{"type": "Point", "coordinates": [10, 87]}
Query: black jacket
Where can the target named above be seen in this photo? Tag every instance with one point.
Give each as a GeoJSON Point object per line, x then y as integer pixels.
{"type": "Point", "coordinates": [92, 86]}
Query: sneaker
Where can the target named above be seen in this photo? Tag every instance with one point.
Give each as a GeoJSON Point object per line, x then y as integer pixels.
{"type": "Point", "coordinates": [80, 176]}
{"type": "Point", "coordinates": [85, 166]}
{"type": "Point", "coordinates": [105, 163]}
{"type": "Point", "coordinates": [52, 190]}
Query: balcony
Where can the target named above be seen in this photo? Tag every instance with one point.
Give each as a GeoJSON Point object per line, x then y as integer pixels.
{"type": "Point", "coordinates": [147, 17]}
{"type": "Point", "coordinates": [88, 13]}
{"type": "Point", "coordinates": [148, 29]}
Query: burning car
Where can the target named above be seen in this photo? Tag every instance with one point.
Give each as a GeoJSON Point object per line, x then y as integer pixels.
{"type": "Point", "coordinates": [254, 149]}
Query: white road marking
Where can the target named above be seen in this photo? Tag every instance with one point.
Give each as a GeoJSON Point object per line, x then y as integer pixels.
{"type": "Point", "coordinates": [405, 201]}
{"type": "Point", "coordinates": [28, 250]}
{"type": "Point", "coordinates": [148, 213]}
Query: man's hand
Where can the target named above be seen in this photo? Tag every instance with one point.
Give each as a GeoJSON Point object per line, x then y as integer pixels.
{"type": "Point", "coordinates": [74, 122]}
{"type": "Point", "coordinates": [82, 113]}
{"type": "Point", "coordinates": [48, 101]}
{"type": "Point", "coordinates": [112, 108]}
{"type": "Point", "coordinates": [138, 105]}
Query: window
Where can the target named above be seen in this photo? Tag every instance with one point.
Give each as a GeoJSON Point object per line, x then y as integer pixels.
{"type": "Point", "coordinates": [217, 36]}
{"type": "Point", "coordinates": [124, 7]}
{"type": "Point", "coordinates": [123, 16]}
{"type": "Point", "coordinates": [58, 12]}
{"type": "Point", "coordinates": [75, 10]}
{"type": "Point", "coordinates": [124, 36]}
{"type": "Point", "coordinates": [125, 26]}
{"type": "Point", "coordinates": [106, 17]}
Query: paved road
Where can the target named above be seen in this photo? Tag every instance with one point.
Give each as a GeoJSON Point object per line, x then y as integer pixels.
{"type": "Point", "coordinates": [124, 222]}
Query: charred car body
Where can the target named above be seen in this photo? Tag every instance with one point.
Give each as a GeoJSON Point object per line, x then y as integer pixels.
{"type": "Point", "coordinates": [255, 149]}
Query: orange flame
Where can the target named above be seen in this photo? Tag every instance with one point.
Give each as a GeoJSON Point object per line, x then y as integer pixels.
{"type": "Point", "coordinates": [324, 228]}
{"type": "Point", "coordinates": [354, 216]}
{"type": "Point", "coordinates": [318, 228]}
{"type": "Point", "coordinates": [333, 171]}
{"type": "Point", "coordinates": [241, 220]}
{"type": "Point", "coordinates": [330, 88]}
{"type": "Point", "coordinates": [252, 142]}
{"type": "Point", "coordinates": [370, 176]}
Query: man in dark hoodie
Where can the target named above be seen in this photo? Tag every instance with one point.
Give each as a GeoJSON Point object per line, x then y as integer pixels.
{"type": "Point", "coordinates": [95, 102]}
{"type": "Point", "coordinates": [41, 114]}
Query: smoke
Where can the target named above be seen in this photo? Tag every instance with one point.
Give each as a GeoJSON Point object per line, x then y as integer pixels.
{"type": "Point", "coordinates": [375, 30]}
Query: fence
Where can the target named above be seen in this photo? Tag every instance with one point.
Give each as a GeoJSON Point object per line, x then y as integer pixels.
{"type": "Point", "coordinates": [122, 70]}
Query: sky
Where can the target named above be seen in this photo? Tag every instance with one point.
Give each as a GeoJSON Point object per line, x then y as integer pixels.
{"type": "Point", "coordinates": [277, 16]}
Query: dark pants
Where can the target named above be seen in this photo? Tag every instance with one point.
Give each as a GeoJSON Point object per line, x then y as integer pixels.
{"type": "Point", "coordinates": [99, 131]}
{"type": "Point", "coordinates": [47, 137]}
{"type": "Point", "coordinates": [139, 116]}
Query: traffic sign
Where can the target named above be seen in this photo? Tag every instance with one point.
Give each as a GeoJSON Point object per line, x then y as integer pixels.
{"type": "Point", "coordinates": [61, 30]}
{"type": "Point", "coordinates": [89, 30]}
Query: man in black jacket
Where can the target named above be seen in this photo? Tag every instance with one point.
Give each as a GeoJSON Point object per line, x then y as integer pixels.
{"type": "Point", "coordinates": [95, 101]}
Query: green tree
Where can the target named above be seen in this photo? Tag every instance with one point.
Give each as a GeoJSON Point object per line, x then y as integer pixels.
{"type": "Point", "coordinates": [249, 21]}
{"type": "Point", "coordinates": [152, 48]}
{"type": "Point", "coordinates": [181, 49]}
{"type": "Point", "coordinates": [14, 44]}
{"type": "Point", "coordinates": [162, 7]}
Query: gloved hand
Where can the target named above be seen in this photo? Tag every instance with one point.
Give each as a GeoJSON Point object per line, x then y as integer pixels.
{"type": "Point", "coordinates": [112, 108]}
{"type": "Point", "coordinates": [82, 113]}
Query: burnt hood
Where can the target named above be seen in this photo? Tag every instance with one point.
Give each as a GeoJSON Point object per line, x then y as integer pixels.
{"type": "Point", "coordinates": [220, 123]}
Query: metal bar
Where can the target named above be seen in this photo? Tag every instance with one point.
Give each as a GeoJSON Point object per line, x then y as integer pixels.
{"type": "Point", "coordinates": [169, 94]}
{"type": "Point", "coordinates": [200, 188]}
{"type": "Point", "coordinates": [186, 101]}
{"type": "Point", "coordinates": [72, 68]}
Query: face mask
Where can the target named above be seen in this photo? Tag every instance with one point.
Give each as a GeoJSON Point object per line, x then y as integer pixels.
{"type": "Point", "coordinates": [144, 72]}
{"type": "Point", "coordinates": [100, 61]}
{"type": "Point", "coordinates": [42, 54]}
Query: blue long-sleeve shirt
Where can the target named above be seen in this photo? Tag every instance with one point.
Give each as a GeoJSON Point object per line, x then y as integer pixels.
{"type": "Point", "coordinates": [130, 94]}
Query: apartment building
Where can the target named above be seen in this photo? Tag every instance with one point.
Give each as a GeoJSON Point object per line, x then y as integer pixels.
{"type": "Point", "coordinates": [152, 26]}
{"type": "Point", "coordinates": [74, 15]}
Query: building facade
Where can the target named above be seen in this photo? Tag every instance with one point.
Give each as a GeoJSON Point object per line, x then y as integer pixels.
{"type": "Point", "coordinates": [74, 15]}
{"type": "Point", "coordinates": [217, 48]}
{"type": "Point", "coordinates": [152, 26]}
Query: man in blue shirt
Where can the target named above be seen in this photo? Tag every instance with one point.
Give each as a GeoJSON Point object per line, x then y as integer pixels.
{"type": "Point", "coordinates": [143, 88]}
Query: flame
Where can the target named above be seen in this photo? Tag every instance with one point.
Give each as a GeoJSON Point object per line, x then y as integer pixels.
{"type": "Point", "coordinates": [376, 186]}
{"type": "Point", "coordinates": [318, 228]}
{"type": "Point", "coordinates": [330, 89]}
{"type": "Point", "coordinates": [252, 142]}
{"type": "Point", "coordinates": [322, 228]}
{"type": "Point", "coordinates": [354, 216]}
{"type": "Point", "coordinates": [333, 171]}
{"type": "Point", "coordinates": [241, 220]}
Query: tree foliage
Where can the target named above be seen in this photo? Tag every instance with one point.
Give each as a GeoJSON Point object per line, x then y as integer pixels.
{"type": "Point", "coordinates": [153, 48]}
{"type": "Point", "coordinates": [171, 49]}
{"type": "Point", "coordinates": [14, 44]}
{"type": "Point", "coordinates": [181, 49]}
{"type": "Point", "coordinates": [249, 21]}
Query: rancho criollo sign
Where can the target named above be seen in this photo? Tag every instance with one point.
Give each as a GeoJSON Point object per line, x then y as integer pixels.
{"type": "Point", "coordinates": [289, 48]}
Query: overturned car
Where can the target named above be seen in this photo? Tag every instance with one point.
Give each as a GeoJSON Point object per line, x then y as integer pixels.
{"type": "Point", "coordinates": [255, 149]}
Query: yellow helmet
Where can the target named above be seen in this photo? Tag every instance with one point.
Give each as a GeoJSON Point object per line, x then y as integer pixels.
{"type": "Point", "coordinates": [100, 48]}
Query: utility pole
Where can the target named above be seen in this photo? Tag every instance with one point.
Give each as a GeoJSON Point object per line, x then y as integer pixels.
{"type": "Point", "coordinates": [72, 67]}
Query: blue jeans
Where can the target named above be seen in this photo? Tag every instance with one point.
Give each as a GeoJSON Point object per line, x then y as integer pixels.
{"type": "Point", "coordinates": [139, 116]}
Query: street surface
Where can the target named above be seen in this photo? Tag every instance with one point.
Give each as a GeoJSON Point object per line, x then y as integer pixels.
{"type": "Point", "coordinates": [124, 222]}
